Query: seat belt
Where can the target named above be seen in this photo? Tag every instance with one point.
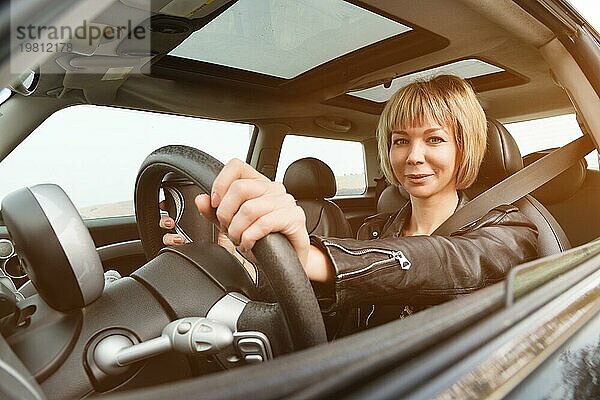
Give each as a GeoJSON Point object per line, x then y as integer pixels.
{"type": "Point", "coordinates": [518, 185]}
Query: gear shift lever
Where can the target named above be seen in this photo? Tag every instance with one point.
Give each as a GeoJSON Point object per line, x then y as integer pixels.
{"type": "Point", "coordinates": [187, 335]}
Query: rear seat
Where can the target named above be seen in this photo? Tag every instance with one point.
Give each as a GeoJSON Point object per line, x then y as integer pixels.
{"type": "Point", "coordinates": [572, 199]}
{"type": "Point", "coordinates": [312, 182]}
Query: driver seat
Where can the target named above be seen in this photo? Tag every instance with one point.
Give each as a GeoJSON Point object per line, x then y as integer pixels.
{"type": "Point", "coordinates": [311, 182]}
{"type": "Point", "coordinates": [502, 159]}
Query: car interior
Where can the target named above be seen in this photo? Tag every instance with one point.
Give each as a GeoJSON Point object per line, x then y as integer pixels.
{"type": "Point", "coordinates": [204, 61]}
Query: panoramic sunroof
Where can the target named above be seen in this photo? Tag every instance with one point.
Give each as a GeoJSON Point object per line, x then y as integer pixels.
{"type": "Point", "coordinates": [285, 38]}
{"type": "Point", "coordinates": [470, 68]}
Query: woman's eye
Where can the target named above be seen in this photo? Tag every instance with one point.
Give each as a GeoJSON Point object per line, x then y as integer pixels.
{"type": "Point", "coordinates": [399, 141]}
{"type": "Point", "coordinates": [436, 139]}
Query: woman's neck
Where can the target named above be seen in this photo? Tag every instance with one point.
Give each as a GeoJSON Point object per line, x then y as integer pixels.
{"type": "Point", "coordinates": [429, 213]}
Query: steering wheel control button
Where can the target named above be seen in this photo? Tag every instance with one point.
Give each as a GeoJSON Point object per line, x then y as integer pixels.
{"type": "Point", "coordinates": [6, 249]}
{"type": "Point", "coordinates": [253, 347]}
{"type": "Point", "coordinates": [13, 268]}
{"type": "Point", "coordinates": [184, 328]}
{"type": "Point", "coordinates": [253, 359]}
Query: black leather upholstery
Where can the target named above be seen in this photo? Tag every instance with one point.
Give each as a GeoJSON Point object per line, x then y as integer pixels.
{"type": "Point", "coordinates": [310, 181]}
{"type": "Point", "coordinates": [552, 238]}
{"type": "Point", "coordinates": [391, 199]}
{"type": "Point", "coordinates": [563, 186]}
{"type": "Point", "coordinates": [502, 159]}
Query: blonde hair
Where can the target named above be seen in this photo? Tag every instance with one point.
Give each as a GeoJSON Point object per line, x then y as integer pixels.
{"type": "Point", "coordinates": [447, 100]}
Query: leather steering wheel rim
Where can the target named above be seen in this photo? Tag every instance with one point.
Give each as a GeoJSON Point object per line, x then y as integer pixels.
{"type": "Point", "coordinates": [275, 255]}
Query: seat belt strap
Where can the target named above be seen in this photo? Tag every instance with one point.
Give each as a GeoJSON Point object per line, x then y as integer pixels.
{"type": "Point", "coordinates": [518, 185]}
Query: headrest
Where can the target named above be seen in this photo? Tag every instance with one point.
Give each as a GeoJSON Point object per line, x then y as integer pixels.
{"type": "Point", "coordinates": [309, 178]}
{"type": "Point", "coordinates": [502, 159]}
{"type": "Point", "coordinates": [561, 187]}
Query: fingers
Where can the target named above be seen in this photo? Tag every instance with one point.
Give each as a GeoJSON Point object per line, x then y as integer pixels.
{"type": "Point", "coordinates": [172, 239]}
{"type": "Point", "coordinates": [231, 172]}
{"type": "Point", "coordinates": [248, 206]}
{"type": "Point", "coordinates": [251, 210]}
{"type": "Point", "coordinates": [285, 220]}
{"type": "Point", "coordinates": [204, 207]}
{"type": "Point", "coordinates": [166, 222]}
{"type": "Point", "coordinates": [242, 191]}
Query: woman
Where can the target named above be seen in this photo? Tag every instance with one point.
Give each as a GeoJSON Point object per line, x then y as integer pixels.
{"type": "Point", "coordinates": [431, 138]}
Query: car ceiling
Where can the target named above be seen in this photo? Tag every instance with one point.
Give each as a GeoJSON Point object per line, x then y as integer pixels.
{"type": "Point", "coordinates": [505, 36]}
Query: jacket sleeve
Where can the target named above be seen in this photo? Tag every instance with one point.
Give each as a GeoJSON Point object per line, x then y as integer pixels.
{"type": "Point", "coordinates": [416, 269]}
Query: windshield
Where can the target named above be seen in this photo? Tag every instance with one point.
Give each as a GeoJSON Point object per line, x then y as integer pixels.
{"type": "Point", "coordinates": [94, 153]}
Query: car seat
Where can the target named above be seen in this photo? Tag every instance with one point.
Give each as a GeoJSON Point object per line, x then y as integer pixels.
{"type": "Point", "coordinates": [311, 182]}
{"type": "Point", "coordinates": [570, 197]}
{"type": "Point", "coordinates": [561, 187]}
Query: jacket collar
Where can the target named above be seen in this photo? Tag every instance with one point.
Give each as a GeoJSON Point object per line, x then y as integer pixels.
{"type": "Point", "coordinates": [394, 227]}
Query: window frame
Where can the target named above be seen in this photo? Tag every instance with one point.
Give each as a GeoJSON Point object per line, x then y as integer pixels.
{"type": "Point", "coordinates": [365, 172]}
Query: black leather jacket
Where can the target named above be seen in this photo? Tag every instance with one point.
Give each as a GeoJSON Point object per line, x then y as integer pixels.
{"type": "Point", "coordinates": [424, 270]}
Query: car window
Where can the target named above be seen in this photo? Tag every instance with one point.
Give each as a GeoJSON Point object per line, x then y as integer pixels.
{"type": "Point", "coordinates": [547, 133]}
{"type": "Point", "coordinates": [589, 10]}
{"type": "Point", "coordinates": [5, 94]}
{"type": "Point", "coordinates": [94, 153]}
{"type": "Point", "coordinates": [345, 158]}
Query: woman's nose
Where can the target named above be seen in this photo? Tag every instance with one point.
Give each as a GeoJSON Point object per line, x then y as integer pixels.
{"type": "Point", "coordinates": [416, 154]}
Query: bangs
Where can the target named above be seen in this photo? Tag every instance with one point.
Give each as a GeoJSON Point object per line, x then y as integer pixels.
{"type": "Point", "coordinates": [414, 106]}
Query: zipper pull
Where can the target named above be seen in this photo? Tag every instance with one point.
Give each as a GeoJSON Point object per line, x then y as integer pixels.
{"type": "Point", "coordinates": [405, 264]}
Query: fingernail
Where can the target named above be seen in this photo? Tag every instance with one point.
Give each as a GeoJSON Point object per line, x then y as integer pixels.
{"type": "Point", "coordinates": [215, 199]}
{"type": "Point", "coordinates": [178, 240]}
{"type": "Point", "coordinates": [169, 224]}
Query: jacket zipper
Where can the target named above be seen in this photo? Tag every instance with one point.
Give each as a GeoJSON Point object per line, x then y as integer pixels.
{"type": "Point", "coordinates": [395, 256]}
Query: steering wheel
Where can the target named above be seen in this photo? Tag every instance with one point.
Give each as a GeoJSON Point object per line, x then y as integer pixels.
{"type": "Point", "coordinates": [72, 329]}
{"type": "Point", "coordinates": [274, 254]}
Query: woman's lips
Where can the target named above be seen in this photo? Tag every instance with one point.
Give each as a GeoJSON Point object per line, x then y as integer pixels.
{"type": "Point", "coordinates": [417, 178]}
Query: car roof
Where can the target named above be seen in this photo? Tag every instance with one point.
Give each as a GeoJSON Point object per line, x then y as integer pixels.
{"type": "Point", "coordinates": [507, 37]}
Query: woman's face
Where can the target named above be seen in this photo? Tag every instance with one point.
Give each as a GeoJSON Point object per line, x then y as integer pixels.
{"type": "Point", "coordinates": [424, 159]}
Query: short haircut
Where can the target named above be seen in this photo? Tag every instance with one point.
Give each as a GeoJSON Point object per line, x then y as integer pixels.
{"type": "Point", "coordinates": [449, 101]}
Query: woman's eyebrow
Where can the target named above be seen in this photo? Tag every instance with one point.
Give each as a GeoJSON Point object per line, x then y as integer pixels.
{"type": "Point", "coordinates": [431, 130]}
{"type": "Point", "coordinates": [427, 131]}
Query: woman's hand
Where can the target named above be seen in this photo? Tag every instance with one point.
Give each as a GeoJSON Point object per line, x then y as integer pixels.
{"type": "Point", "coordinates": [248, 206]}
{"type": "Point", "coordinates": [172, 239]}
{"type": "Point", "coordinates": [169, 239]}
